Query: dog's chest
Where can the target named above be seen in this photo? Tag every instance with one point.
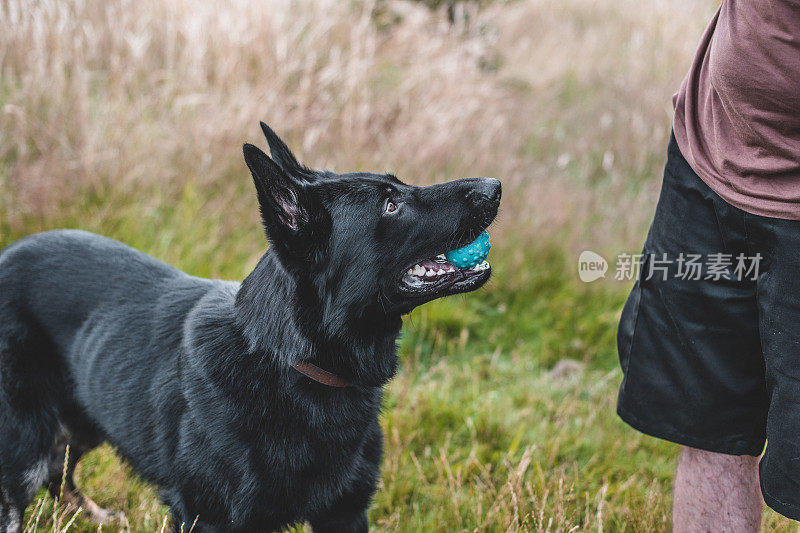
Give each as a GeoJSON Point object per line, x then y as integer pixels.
{"type": "Point", "coordinates": [284, 477]}
{"type": "Point", "coordinates": [299, 480]}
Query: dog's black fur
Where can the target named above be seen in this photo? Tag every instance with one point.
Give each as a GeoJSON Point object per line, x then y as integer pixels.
{"type": "Point", "coordinates": [191, 379]}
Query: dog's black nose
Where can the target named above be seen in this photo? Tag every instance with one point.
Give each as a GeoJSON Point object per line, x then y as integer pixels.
{"type": "Point", "coordinates": [493, 188]}
{"type": "Point", "coordinates": [484, 189]}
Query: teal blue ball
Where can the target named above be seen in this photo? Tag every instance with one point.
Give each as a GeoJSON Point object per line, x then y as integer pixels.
{"type": "Point", "coordinates": [471, 254]}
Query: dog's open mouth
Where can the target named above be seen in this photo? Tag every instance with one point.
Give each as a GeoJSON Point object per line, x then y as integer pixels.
{"type": "Point", "coordinates": [438, 275]}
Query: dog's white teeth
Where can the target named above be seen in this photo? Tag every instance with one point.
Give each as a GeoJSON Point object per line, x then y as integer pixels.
{"type": "Point", "coordinates": [440, 271]}
{"type": "Point", "coordinates": [410, 271]}
{"type": "Point", "coordinates": [418, 270]}
{"type": "Point", "coordinates": [481, 266]}
{"type": "Point", "coordinates": [429, 274]}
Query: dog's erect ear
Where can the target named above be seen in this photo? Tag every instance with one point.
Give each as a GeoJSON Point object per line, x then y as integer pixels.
{"type": "Point", "coordinates": [282, 155]}
{"type": "Point", "coordinates": [281, 197]}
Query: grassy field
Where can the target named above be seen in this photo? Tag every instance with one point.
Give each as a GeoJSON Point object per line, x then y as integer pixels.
{"type": "Point", "coordinates": [127, 118]}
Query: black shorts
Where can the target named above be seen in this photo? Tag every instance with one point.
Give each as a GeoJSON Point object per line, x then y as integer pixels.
{"type": "Point", "coordinates": [711, 358]}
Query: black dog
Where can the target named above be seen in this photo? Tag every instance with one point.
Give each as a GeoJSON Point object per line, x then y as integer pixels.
{"type": "Point", "coordinates": [252, 405]}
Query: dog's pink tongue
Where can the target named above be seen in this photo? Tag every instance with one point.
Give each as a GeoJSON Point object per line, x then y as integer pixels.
{"type": "Point", "coordinates": [435, 265]}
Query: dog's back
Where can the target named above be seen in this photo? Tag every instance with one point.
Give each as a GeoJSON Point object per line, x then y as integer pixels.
{"type": "Point", "coordinates": [61, 283]}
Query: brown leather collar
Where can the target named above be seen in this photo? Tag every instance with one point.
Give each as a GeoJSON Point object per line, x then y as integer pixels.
{"type": "Point", "coordinates": [319, 375]}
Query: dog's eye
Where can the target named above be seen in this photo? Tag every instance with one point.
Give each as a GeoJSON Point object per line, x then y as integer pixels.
{"type": "Point", "coordinates": [390, 207]}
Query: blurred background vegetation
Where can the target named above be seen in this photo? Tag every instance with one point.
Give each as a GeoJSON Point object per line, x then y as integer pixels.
{"type": "Point", "coordinates": [126, 118]}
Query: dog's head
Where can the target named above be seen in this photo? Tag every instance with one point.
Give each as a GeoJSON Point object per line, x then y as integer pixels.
{"type": "Point", "coordinates": [367, 243]}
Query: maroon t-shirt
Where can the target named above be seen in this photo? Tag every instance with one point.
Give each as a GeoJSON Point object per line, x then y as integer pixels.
{"type": "Point", "coordinates": [737, 113]}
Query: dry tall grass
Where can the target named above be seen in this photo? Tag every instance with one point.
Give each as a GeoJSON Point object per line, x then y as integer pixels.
{"type": "Point", "coordinates": [566, 100]}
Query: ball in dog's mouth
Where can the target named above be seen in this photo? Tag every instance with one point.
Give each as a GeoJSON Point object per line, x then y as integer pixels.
{"type": "Point", "coordinates": [467, 270]}
{"type": "Point", "coordinates": [471, 254]}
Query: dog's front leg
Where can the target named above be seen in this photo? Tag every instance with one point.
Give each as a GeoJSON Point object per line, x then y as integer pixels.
{"type": "Point", "coordinates": [348, 513]}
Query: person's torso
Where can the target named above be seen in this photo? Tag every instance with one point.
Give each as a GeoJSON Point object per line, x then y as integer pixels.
{"type": "Point", "coordinates": [737, 115]}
